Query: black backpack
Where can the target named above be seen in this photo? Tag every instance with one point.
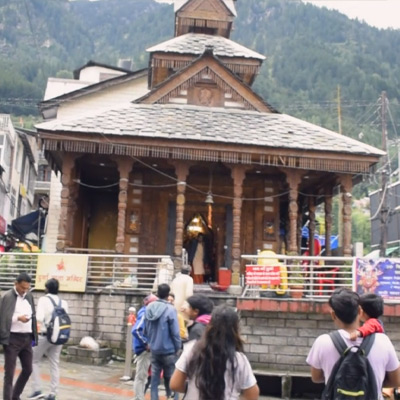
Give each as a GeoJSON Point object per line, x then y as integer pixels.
{"type": "Point", "coordinates": [59, 327]}
{"type": "Point", "coordinates": [352, 376]}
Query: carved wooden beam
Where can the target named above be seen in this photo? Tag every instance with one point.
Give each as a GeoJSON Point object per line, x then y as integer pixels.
{"type": "Point", "coordinates": [124, 168]}
{"type": "Point", "coordinates": [66, 181]}
{"type": "Point", "coordinates": [346, 185]}
{"type": "Point", "coordinates": [182, 171]}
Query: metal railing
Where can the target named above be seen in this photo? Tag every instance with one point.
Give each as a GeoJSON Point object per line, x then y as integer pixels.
{"type": "Point", "coordinates": [298, 276]}
{"type": "Point", "coordinates": [108, 273]}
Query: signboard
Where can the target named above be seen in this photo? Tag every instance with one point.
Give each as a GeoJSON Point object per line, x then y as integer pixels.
{"type": "Point", "coordinates": [263, 275]}
{"type": "Point", "coordinates": [3, 225]}
{"type": "Point", "coordinates": [69, 269]}
{"type": "Point", "coordinates": [380, 276]}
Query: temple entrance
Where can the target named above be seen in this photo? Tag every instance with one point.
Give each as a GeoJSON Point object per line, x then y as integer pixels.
{"type": "Point", "coordinates": [211, 243]}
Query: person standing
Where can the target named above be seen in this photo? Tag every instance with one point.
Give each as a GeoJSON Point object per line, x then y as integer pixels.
{"type": "Point", "coordinates": [44, 313]}
{"type": "Point", "coordinates": [182, 287]}
{"type": "Point", "coordinates": [199, 312]}
{"type": "Point", "coordinates": [142, 350]}
{"type": "Point", "coordinates": [345, 312]}
{"type": "Point", "coordinates": [18, 331]}
{"type": "Point", "coordinates": [215, 367]}
{"type": "Point", "coordinates": [162, 330]}
{"type": "Point", "coordinates": [197, 257]}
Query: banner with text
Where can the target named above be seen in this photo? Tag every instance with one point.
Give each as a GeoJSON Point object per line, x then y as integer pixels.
{"type": "Point", "coordinates": [263, 275]}
{"type": "Point", "coordinates": [380, 276]}
{"type": "Point", "coordinates": [69, 269]}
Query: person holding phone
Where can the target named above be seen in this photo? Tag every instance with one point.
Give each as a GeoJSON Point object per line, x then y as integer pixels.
{"type": "Point", "coordinates": [18, 331]}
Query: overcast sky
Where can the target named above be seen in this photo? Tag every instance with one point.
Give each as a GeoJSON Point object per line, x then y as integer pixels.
{"type": "Point", "coordinates": [379, 13]}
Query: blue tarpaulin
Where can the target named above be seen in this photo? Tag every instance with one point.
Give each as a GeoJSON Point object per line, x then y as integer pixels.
{"type": "Point", "coordinates": [321, 238]}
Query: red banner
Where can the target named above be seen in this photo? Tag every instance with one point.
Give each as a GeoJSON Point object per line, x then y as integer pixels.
{"type": "Point", "coordinates": [263, 275]}
{"type": "Point", "coordinates": [3, 225]}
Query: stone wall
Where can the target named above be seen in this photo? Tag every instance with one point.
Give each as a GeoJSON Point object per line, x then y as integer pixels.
{"type": "Point", "coordinates": [100, 316]}
{"type": "Point", "coordinates": [278, 333]}
{"type": "Point", "coordinates": [280, 337]}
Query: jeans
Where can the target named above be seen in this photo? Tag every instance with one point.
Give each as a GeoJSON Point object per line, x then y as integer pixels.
{"type": "Point", "coordinates": [143, 361]}
{"type": "Point", "coordinates": [52, 352]}
{"type": "Point", "coordinates": [20, 345]}
{"type": "Point", "coordinates": [159, 362]}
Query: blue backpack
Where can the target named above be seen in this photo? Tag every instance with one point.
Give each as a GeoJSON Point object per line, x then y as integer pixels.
{"type": "Point", "coordinates": [59, 327]}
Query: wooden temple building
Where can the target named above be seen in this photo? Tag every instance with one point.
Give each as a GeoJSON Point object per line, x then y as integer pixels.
{"type": "Point", "coordinates": [149, 159]}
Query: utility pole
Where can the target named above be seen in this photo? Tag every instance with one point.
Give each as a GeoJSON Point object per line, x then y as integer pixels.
{"type": "Point", "coordinates": [384, 213]}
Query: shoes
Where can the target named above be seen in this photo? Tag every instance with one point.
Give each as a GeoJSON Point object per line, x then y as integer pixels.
{"type": "Point", "coordinates": [36, 395]}
{"type": "Point", "coordinates": [51, 397]}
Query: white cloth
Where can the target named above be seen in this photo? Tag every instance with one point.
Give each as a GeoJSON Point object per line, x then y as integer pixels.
{"type": "Point", "coordinates": [182, 288]}
{"type": "Point", "coordinates": [22, 307]}
{"type": "Point", "coordinates": [244, 377]}
{"type": "Point", "coordinates": [165, 273]}
{"type": "Point", "coordinates": [45, 310]}
{"type": "Point", "coordinates": [382, 357]}
{"type": "Point", "coordinates": [198, 260]}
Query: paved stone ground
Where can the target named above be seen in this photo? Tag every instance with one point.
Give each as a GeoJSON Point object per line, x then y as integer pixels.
{"type": "Point", "coordinates": [84, 382]}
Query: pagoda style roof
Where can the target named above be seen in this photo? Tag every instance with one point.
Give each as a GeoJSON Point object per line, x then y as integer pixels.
{"type": "Point", "coordinates": [196, 43]}
{"type": "Point", "coordinates": [197, 124]}
{"type": "Point", "coordinates": [229, 4]}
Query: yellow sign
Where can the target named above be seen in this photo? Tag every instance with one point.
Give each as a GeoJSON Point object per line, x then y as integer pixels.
{"type": "Point", "coordinates": [69, 269]}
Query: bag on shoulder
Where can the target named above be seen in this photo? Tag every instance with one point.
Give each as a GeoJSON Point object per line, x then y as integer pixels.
{"type": "Point", "coordinates": [352, 376]}
{"type": "Point", "coordinates": [59, 327]}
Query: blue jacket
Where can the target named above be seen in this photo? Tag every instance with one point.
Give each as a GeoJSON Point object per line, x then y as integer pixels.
{"type": "Point", "coordinates": [161, 328]}
{"type": "Point", "coordinates": [139, 340]}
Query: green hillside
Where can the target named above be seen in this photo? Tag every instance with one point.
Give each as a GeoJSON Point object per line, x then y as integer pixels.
{"type": "Point", "coordinates": [310, 52]}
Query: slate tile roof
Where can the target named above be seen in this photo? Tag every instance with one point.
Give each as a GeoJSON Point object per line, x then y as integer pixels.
{"type": "Point", "coordinates": [229, 4]}
{"type": "Point", "coordinates": [196, 43]}
{"type": "Point", "coordinates": [212, 125]}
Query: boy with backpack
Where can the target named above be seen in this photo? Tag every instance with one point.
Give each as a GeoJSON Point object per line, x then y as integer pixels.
{"type": "Point", "coordinates": [53, 330]}
{"type": "Point", "coordinates": [372, 308]}
{"type": "Point", "coordinates": [352, 369]}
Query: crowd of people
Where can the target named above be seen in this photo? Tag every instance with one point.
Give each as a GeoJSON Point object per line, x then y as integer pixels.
{"type": "Point", "coordinates": [195, 347]}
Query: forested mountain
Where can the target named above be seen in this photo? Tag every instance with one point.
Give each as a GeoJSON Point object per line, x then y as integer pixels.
{"type": "Point", "coordinates": [310, 52]}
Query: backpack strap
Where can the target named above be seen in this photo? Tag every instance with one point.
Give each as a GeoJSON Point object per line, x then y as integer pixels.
{"type": "Point", "coordinates": [367, 343]}
{"type": "Point", "coordinates": [338, 341]}
{"type": "Point", "coordinates": [54, 303]}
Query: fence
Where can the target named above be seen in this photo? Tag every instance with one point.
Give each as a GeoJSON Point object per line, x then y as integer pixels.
{"type": "Point", "coordinates": [267, 275]}
{"type": "Point", "coordinates": [105, 272]}
{"type": "Point", "coordinates": [276, 275]}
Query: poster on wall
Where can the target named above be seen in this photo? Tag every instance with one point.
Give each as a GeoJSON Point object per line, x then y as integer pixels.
{"type": "Point", "coordinates": [69, 269]}
{"type": "Point", "coordinates": [380, 276]}
{"type": "Point", "coordinates": [263, 275]}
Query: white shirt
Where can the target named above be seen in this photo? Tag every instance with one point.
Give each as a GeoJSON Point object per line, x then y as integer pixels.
{"type": "Point", "coordinates": [382, 357]}
{"type": "Point", "coordinates": [244, 377]}
{"type": "Point", "coordinates": [45, 310]}
{"type": "Point", "coordinates": [182, 288]}
{"type": "Point", "coordinates": [22, 307]}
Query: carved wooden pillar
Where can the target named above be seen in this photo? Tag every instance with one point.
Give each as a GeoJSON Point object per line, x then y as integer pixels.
{"type": "Point", "coordinates": [311, 225]}
{"type": "Point", "coordinates": [182, 171]}
{"type": "Point", "coordinates": [293, 179]}
{"type": "Point", "coordinates": [124, 168]}
{"type": "Point", "coordinates": [72, 209]}
{"type": "Point", "coordinates": [328, 221]}
{"type": "Point", "coordinates": [346, 185]}
{"type": "Point", "coordinates": [66, 180]}
{"type": "Point", "coordinates": [238, 174]}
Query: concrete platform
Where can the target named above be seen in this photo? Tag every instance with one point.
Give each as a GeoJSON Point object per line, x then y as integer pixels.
{"type": "Point", "coordinates": [83, 382]}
